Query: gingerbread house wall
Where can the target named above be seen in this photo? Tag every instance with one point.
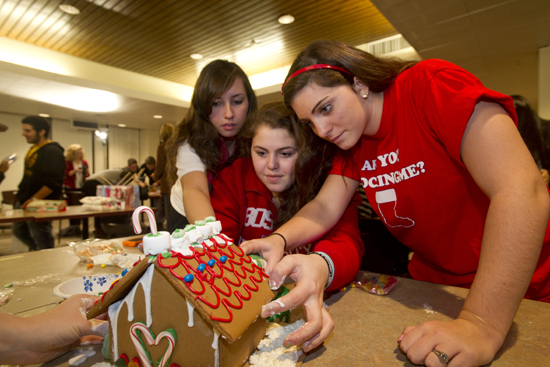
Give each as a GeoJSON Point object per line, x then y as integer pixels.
{"type": "Point", "coordinates": [169, 309]}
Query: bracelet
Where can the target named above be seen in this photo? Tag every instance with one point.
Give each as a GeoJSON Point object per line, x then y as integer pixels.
{"type": "Point", "coordinates": [486, 323]}
{"type": "Point", "coordinates": [280, 235]}
{"type": "Point", "coordinates": [330, 266]}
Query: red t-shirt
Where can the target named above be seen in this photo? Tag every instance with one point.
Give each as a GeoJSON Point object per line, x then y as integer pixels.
{"type": "Point", "coordinates": [415, 180]}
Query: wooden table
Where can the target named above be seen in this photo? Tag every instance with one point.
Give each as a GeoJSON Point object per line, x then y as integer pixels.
{"type": "Point", "coordinates": [367, 326]}
{"type": "Point", "coordinates": [72, 212]}
{"type": "Point", "coordinates": [15, 215]}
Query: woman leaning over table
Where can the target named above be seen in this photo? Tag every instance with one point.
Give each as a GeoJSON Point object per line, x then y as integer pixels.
{"type": "Point", "coordinates": [263, 190]}
{"type": "Point", "coordinates": [206, 138]}
{"type": "Point", "coordinates": [444, 167]}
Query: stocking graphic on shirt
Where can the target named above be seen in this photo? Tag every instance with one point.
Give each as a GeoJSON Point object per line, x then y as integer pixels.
{"type": "Point", "coordinates": [387, 204]}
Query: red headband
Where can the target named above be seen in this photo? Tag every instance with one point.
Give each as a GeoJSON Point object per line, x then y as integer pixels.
{"type": "Point", "coordinates": [313, 67]}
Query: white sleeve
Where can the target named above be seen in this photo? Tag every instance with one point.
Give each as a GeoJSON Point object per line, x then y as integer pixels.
{"type": "Point", "coordinates": [188, 161]}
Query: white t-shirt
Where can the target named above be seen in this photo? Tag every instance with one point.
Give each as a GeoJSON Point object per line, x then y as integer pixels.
{"type": "Point", "coordinates": [187, 161]}
{"type": "Point", "coordinates": [78, 181]}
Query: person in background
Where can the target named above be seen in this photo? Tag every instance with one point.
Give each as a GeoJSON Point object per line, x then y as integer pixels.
{"type": "Point", "coordinates": [206, 139]}
{"type": "Point", "coordinates": [76, 167]}
{"type": "Point", "coordinates": [160, 174]}
{"type": "Point", "coordinates": [43, 337]}
{"type": "Point", "coordinates": [76, 171]}
{"type": "Point", "coordinates": [132, 167]}
{"type": "Point", "coordinates": [444, 166]}
{"type": "Point", "coordinates": [148, 168]}
{"type": "Point", "coordinates": [42, 179]}
{"type": "Point", "coordinates": [255, 195]}
{"type": "Point", "coordinates": [4, 165]}
{"type": "Point", "coordinates": [530, 127]}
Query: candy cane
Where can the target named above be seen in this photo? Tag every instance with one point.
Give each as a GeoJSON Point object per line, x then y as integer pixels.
{"type": "Point", "coordinates": [150, 215]}
{"type": "Point", "coordinates": [151, 340]}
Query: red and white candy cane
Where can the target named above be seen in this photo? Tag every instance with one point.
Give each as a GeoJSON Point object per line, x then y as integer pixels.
{"type": "Point", "coordinates": [150, 215]}
{"type": "Point", "coordinates": [146, 332]}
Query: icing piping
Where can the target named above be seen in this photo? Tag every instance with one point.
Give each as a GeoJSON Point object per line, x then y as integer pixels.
{"type": "Point", "coordinates": [216, 347]}
{"type": "Point", "coordinates": [221, 246]}
{"type": "Point", "coordinates": [190, 309]}
{"type": "Point", "coordinates": [114, 309]}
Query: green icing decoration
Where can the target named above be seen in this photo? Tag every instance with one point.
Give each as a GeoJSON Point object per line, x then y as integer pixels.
{"type": "Point", "coordinates": [199, 223]}
{"type": "Point", "coordinates": [166, 255]}
{"type": "Point", "coordinates": [257, 260]}
{"type": "Point", "coordinates": [106, 350]}
{"type": "Point", "coordinates": [154, 235]}
{"type": "Point", "coordinates": [178, 233]}
{"type": "Point", "coordinates": [281, 316]}
{"type": "Point", "coordinates": [189, 227]}
{"type": "Point", "coordinates": [209, 219]}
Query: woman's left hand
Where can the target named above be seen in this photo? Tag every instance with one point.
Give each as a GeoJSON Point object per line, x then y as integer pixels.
{"type": "Point", "coordinates": [310, 273]}
{"type": "Point", "coordinates": [466, 341]}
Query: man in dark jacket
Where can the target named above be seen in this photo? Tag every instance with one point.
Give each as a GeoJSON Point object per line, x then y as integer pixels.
{"type": "Point", "coordinates": [42, 179]}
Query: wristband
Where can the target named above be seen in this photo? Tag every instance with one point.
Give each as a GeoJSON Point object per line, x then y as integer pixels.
{"type": "Point", "coordinates": [330, 266]}
{"type": "Point", "coordinates": [280, 235]}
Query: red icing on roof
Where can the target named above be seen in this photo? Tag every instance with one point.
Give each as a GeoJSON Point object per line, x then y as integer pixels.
{"type": "Point", "coordinates": [238, 264]}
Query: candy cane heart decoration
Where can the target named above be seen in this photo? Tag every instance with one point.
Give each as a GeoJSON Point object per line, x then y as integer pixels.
{"type": "Point", "coordinates": [140, 328]}
{"type": "Point", "coordinates": [150, 215]}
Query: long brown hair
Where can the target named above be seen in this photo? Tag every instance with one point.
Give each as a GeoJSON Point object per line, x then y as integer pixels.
{"type": "Point", "coordinates": [214, 80]}
{"type": "Point", "coordinates": [375, 72]}
{"type": "Point", "coordinates": [312, 165]}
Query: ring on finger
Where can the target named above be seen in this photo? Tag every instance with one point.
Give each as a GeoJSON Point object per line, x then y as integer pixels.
{"type": "Point", "coordinates": [442, 356]}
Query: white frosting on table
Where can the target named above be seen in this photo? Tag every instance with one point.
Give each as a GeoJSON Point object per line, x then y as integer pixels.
{"type": "Point", "coordinates": [272, 353]}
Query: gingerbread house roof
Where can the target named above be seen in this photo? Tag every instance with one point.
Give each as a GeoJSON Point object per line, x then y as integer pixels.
{"type": "Point", "coordinates": [217, 279]}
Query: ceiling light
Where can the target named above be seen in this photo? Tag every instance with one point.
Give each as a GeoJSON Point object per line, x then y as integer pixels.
{"type": "Point", "coordinates": [121, 125]}
{"type": "Point", "coordinates": [286, 19]}
{"type": "Point", "coordinates": [196, 56]}
{"type": "Point", "coordinates": [43, 115]}
{"type": "Point", "coordinates": [157, 116]}
{"type": "Point", "coordinates": [101, 134]}
{"type": "Point", "coordinates": [69, 9]}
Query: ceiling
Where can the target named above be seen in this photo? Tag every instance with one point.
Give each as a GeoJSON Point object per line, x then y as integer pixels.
{"type": "Point", "coordinates": [497, 40]}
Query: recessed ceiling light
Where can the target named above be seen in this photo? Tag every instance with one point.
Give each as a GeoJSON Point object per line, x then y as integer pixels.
{"type": "Point", "coordinates": [196, 56]}
{"type": "Point", "coordinates": [69, 9]}
{"type": "Point", "coordinates": [43, 115]}
{"type": "Point", "coordinates": [121, 125]}
{"type": "Point", "coordinates": [286, 19]}
{"type": "Point", "coordinates": [157, 116]}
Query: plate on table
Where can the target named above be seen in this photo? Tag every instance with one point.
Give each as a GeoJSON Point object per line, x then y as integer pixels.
{"type": "Point", "coordinates": [90, 284]}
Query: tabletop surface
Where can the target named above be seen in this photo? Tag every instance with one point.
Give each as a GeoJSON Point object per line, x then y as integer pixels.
{"type": "Point", "coordinates": [366, 326]}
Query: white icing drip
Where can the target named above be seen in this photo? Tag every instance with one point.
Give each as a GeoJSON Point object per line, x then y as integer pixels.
{"type": "Point", "coordinates": [115, 308]}
{"type": "Point", "coordinates": [215, 346]}
{"type": "Point", "coordinates": [190, 309]}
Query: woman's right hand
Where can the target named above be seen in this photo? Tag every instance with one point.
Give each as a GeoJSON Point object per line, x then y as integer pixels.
{"type": "Point", "coordinates": [310, 273]}
{"type": "Point", "coordinates": [271, 248]}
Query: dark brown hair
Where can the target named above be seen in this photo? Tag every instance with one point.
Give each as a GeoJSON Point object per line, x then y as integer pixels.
{"type": "Point", "coordinates": [312, 165]}
{"type": "Point", "coordinates": [375, 72]}
{"type": "Point", "coordinates": [214, 80]}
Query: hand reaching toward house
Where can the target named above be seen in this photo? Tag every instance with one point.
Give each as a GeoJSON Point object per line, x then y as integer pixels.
{"type": "Point", "coordinates": [270, 248]}
{"type": "Point", "coordinates": [44, 337]}
{"type": "Point", "coordinates": [310, 274]}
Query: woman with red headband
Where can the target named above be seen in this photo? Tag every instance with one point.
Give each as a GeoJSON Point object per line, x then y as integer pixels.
{"type": "Point", "coordinates": [443, 165]}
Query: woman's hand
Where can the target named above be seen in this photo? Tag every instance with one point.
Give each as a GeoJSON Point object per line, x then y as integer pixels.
{"type": "Point", "coordinates": [310, 273]}
{"type": "Point", "coordinates": [466, 341]}
{"type": "Point", "coordinates": [271, 248]}
{"type": "Point", "coordinates": [49, 335]}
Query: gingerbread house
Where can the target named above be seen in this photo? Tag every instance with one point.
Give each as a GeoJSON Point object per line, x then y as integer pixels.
{"type": "Point", "coordinates": [198, 307]}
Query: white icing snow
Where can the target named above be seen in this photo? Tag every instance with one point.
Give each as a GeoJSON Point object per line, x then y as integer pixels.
{"type": "Point", "coordinates": [272, 353]}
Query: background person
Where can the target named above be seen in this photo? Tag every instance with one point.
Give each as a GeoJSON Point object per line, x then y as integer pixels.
{"type": "Point", "coordinates": [444, 166]}
{"type": "Point", "coordinates": [4, 165]}
{"type": "Point", "coordinates": [76, 171]}
{"type": "Point", "coordinates": [203, 142]}
{"type": "Point", "coordinates": [42, 179]}
{"type": "Point", "coordinates": [256, 194]}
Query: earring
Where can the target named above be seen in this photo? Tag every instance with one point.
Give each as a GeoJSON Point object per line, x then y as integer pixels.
{"type": "Point", "coordinates": [365, 95]}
